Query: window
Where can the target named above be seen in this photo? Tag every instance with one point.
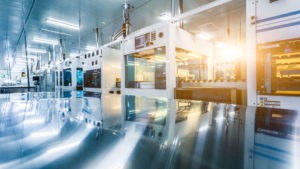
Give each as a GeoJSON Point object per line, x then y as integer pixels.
{"type": "Point", "coordinates": [79, 75]}
{"type": "Point", "coordinates": [68, 77]}
{"type": "Point", "coordinates": [92, 78]}
{"type": "Point", "coordinates": [146, 69]}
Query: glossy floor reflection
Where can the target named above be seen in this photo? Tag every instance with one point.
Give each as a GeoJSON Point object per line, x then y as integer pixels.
{"type": "Point", "coordinates": [87, 130]}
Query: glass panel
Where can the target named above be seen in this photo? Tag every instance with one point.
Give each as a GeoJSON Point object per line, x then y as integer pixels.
{"type": "Point", "coordinates": [137, 110]}
{"type": "Point", "coordinates": [279, 67]}
{"type": "Point", "coordinates": [190, 66]}
{"type": "Point", "coordinates": [56, 73]}
{"type": "Point", "coordinates": [92, 78]}
{"type": "Point", "coordinates": [79, 73]}
{"type": "Point", "coordinates": [68, 77]}
{"type": "Point", "coordinates": [60, 78]}
{"type": "Point", "coordinates": [146, 69]}
{"type": "Point", "coordinates": [218, 54]}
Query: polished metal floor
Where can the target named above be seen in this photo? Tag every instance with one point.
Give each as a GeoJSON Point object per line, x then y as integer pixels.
{"type": "Point", "coordinates": [87, 130]}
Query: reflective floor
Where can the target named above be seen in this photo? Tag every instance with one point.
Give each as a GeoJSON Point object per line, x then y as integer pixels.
{"type": "Point", "coordinates": [87, 130]}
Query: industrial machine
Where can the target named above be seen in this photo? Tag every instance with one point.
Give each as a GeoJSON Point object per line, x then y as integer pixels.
{"type": "Point", "coordinates": [210, 57]}
{"type": "Point", "coordinates": [58, 76]}
{"type": "Point", "coordinates": [164, 60]}
{"type": "Point", "coordinates": [102, 69]}
{"type": "Point", "coordinates": [147, 60]}
{"type": "Point", "coordinates": [72, 74]}
{"type": "Point", "coordinates": [278, 57]}
{"type": "Point", "coordinates": [47, 80]}
{"type": "Point", "coordinates": [92, 71]}
{"type": "Point", "coordinates": [272, 139]}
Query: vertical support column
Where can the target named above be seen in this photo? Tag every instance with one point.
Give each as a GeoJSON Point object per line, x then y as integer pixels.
{"type": "Point", "coordinates": [54, 55]}
{"type": "Point", "coordinates": [79, 23]}
{"type": "Point", "coordinates": [97, 37]}
{"type": "Point", "coordinates": [171, 65]}
{"type": "Point", "coordinates": [251, 51]}
{"type": "Point", "coordinates": [27, 66]}
{"type": "Point", "coordinates": [177, 9]}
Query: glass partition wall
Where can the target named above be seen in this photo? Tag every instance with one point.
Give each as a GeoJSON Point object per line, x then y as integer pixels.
{"type": "Point", "coordinates": [146, 69]}
{"type": "Point", "coordinates": [190, 66]}
{"type": "Point", "coordinates": [223, 29]}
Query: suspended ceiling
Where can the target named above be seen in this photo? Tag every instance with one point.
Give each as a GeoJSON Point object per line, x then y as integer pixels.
{"type": "Point", "coordinates": [105, 14]}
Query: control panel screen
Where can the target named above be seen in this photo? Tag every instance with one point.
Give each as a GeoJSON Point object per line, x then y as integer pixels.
{"type": "Point", "coordinates": [278, 68]}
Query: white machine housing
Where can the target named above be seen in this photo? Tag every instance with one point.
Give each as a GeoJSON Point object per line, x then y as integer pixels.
{"type": "Point", "coordinates": [91, 61]}
{"type": "Point", "coordinates": [108, 59]}
{"type": "Point", "coordinates": [59, 76]}
{"type": "Point", "coordinates": [111, 67]}
{"type": "Point", "coordinates": [73, 64]}
{"type": "Point", "coordinates": [173, 37]}
{"type": "Point", "coordinates": [276, 21]}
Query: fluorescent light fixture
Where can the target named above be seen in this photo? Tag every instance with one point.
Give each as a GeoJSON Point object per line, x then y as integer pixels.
{"type": "Point", "coordinates": [165, 16]}
{"type": "Point", "coordinates": [232, 52]}
{"type": "Point", "coordinates": [193, 55]}
{"type": "Point", "coordinates": [61, 23]}
{"type": "Point", "coordinates": [56, 32]}
{"type": "Point", "coordinates": [36, 50]}
{"type": "Point", "coordinates": [45, 41]}
{"type": "Point", "coordinates": [204, 36]}
{"type": "Point", "coordinates": [90, 48]}
{"type": "Point", "coordinates": [74, 54]}
{"type": "Point", "coordinates": [221, 45]}
{"type": "Point", "coordinates": [29, 57]}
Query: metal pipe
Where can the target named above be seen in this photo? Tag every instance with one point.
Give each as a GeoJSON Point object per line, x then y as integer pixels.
{"type": "Point", "coordinates": [126, 19]}
{"type": "Point", "coordinates": [25, 22]}
{"type": "Point", "coordinates": [60, 48]}
{"type": "Point", "coordinates": [117, 35]}
{"type": "Point", "coordinates": [54, 55]}
{"type": "Point", "coordinates": [26, 52]}
{"type": "Point", "coordinates": [27, 66]}
{"type": "Point", "coordinates": [97, 37]}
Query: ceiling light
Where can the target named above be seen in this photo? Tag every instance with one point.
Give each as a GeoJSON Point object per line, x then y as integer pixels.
{"type": "Point", "coordinates": [232, 52]}
{"type": "Point", "coordinates": [220, 45]}
{"type": "Point", "coordinates": [45, 41]}
{"type": "Point", "coordinates": [37, 50]}
{"type": "Point", "coordinates": [204, 36]}
{"type": "Point", "coordinates": [30, 57]}
{"type": "Point", "coordinates": [90, 48]}
{"type": "Point", "coordinates": [165, 16]}
{"type": "Point", "coordinates": [60, 33]}
{"type": "Point", "coordinates": [74, 54]}
{"type": "Point", "coordinates": [193, 55]}
{"type": "Point", "coordinates": [62, 23]}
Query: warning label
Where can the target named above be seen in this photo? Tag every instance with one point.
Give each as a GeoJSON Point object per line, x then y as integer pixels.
{"type": "Point", "coordinates": [266, 102]}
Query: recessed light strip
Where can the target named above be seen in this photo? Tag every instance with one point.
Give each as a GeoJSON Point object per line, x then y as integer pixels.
{"type": "Point", "coordinates": [61, 23]}
{"type": "Point", "coordinates": [56, 32]}
{"type": "Point", "coordinates": [46, 41]}
{"type": "Point", "coordinates": [37, 50]}
{"type": "Point", "coordinates": [90, 48]}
